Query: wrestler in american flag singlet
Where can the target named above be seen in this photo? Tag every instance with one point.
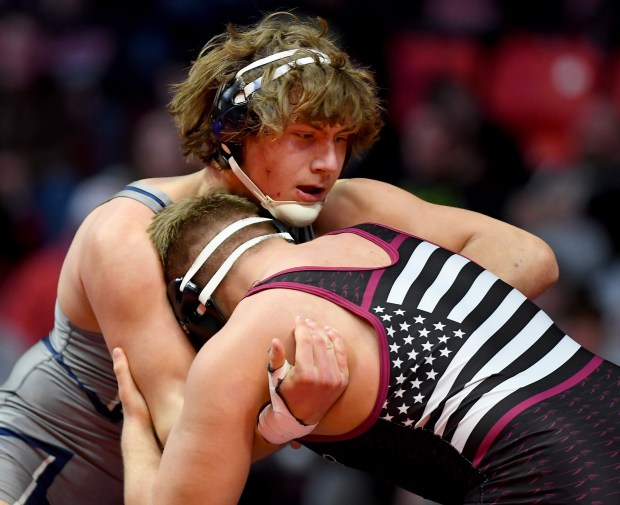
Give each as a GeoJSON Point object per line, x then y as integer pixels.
{"type": "Point", "coordinates": [483, 399]}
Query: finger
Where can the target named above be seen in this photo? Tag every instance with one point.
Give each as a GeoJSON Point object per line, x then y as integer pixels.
{"type": "Point", "coordinates": [318, 334]}
{"type": "Point", "coordinates": [340, 351]}
{"type": "Point", "coordinates": [277, 355]}
{"type": "Point", "coordinates": [321, 340]}
{"type": "Point", "coordinates": [128, 392]}
{"type": "Point", "coordinates": [303, 343]}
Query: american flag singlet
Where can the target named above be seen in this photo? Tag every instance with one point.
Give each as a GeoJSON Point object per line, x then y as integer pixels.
{"type": "Point", "coordinates": [478, 385]}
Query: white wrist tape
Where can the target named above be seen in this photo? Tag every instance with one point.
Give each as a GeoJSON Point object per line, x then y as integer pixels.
{"type": "Point", "coordinates": [275, 423]}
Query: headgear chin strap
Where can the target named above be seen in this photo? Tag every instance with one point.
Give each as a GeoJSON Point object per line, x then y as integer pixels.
{"type": "Point", "coordinates": [290, 212]}
{"type": "Point", "coordinates": [193, 307]}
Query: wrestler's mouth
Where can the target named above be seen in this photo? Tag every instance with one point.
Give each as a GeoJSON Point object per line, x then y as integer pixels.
{"type": "Point", "coordinates": [310, 193]}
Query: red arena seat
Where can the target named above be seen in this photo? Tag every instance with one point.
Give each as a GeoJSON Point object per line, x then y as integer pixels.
{"type": "Point", "coordinates": [417, 60]}
{"type": "Point", "coordinates": [537, 87]}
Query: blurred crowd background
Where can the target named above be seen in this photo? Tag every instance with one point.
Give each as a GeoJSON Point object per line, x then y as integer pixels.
{"type": "Point", "coordinates": [509, 108]}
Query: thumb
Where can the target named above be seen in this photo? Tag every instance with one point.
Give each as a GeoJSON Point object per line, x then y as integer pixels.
{"type": "Point", "coordinates": [123, 375]}
{"type": "Point", "coordinates": [121, 367]}
{"type": "Point", "coordinates": [276, 354]}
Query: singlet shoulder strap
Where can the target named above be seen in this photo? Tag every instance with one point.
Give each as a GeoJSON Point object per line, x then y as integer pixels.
{"type": "Point", "coordinates": [300, 235]}
{"type": "Point", "coordinates": [153, 198]}
{"type": "Point", "coordinates": [382, 232]}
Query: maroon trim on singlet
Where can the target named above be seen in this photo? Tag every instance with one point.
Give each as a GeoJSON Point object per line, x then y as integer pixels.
{"type": "Point", "coordinates": [492, 434]}
{"type": "Point", "coordinates": [361, 311]}
{"type": "Point", "coordinates": [391, 249]}
{"type": "Point", "coordinates": [384, 373]}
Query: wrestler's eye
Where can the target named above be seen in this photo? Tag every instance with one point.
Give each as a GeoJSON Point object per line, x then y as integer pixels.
{"type": "Point", "coordinates": [343, 138]}
{"type": "Point", "coordinates": [304, 135]}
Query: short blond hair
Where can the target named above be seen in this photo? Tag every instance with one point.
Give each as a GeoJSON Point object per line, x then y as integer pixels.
{"type": "Point", "coordinates": [181, 230]}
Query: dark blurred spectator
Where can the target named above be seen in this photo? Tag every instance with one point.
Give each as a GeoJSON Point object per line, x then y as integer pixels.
{"type": "Point", "coordinates": [577, 311]}
{"type": "Point", "coordinates": [32, 116]}
{"type": "Point", "coordinates": [599, 139]}
{"type": "Point", "coordinates": [477, 17]}
{"type": "Point", "coordinates": [28, 292]}
{"type": "Point", "coordinates": [21, 222]}
{"type": "Point", "coordinates": [154, 150]}
{"type": "Point", "coordinates": [452, 154]}
{"type": "Point", "coordinates": [573, 210]}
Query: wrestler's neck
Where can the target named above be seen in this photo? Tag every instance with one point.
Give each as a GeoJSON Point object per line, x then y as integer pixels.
{"type": "Point", "coordinates": [252, 267]}
{"type": "Point", "coordinates": [216, 178]}
{"type": "Point", "coordinates": [201, 182]}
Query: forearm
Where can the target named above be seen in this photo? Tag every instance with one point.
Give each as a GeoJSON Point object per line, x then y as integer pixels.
{"type": "Point", "coordinates": [261, 448]}
{"type": "Point", "coordinates": [141, 457]}
{"type": "Point", "coordinates": [517, 257]}
{"type": "Point", "coordinates": [163, 384]}
{"type": "Point", "coordinates": [139, 445]}
{"type": "Point", "coordinates": [317, 380]}
{"type": "Point", "coordinates": [165, 414]}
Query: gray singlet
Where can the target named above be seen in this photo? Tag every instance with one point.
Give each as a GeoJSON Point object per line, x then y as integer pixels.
{"type": "Point", "coordinates": [60, 419]}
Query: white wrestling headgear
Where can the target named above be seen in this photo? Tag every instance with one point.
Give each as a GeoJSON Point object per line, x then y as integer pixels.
{"type": "Point", "coordinates": [230, 107]}
{"type": "Point", "coordinates": [193, 307]}
{"type": "Point", "coordinates": [211, 247]}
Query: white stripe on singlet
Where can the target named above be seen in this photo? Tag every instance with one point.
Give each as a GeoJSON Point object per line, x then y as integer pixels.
{"type": "Point", "coordinates": [528, 336]}
{"type": "Point", "coordinates": [551, 362]}
{"type": "Point", "coordinates": [443, 282]}
{"type": "Point", "coordinates": [410, 273]}
{"type": "Point", "coordinates": [33, 485]}
{"type": "Point", "coordinates": [504, 311]}
{"type": "Point", "coordinates": [474, 296]}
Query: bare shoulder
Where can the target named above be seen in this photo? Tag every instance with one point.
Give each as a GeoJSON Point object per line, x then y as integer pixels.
{"type": "Point", "coordinates": [260, 318]}
{"type": "Point", "coordinates": [110, 262]}
{"type": "Point", "coordinates": [243, 344]}
{"type": "Point", "coordinates": [353, 201]}
{"type": "Point", "coordinates": [115, 234]}
{"type": "Point", "coordinates": [357, 190]}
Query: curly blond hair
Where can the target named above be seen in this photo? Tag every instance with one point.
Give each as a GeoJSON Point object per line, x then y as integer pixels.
{"type": "Point", "coordinates": [338, 92]}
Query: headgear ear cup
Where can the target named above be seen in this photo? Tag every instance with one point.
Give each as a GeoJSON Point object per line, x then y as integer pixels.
{"type": "Point", "coordinates": [226, 114]}
{"type": "Point", "coordinates": [199, 327]}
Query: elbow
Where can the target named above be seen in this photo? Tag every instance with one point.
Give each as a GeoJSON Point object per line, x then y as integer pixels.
{"type": "Point", "coordinates": [544, 270]}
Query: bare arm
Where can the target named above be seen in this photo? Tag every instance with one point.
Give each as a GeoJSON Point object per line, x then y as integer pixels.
{"type": "Point", "coordinates": [141, 453]}
{"type": "Point", "coordinates": [208, 454]}
{"type": "Point", "coordinates": [516, 256]}
{"type": "Point", "coordinates": [123, 279]}
{"type": "Point", "coordinates": [320, 375]}
{"type": "Point", "coordinates": [318, 363]}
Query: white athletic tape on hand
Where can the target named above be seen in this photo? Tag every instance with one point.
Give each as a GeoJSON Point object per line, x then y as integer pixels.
{"type": "Point", "coordinates": [275, 423]}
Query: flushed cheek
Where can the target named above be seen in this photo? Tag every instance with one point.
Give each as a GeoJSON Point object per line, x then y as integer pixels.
{"type": "Point", "coordinates": [275, 185]}
{"type": "Point", "coordinates": [281, 179]}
